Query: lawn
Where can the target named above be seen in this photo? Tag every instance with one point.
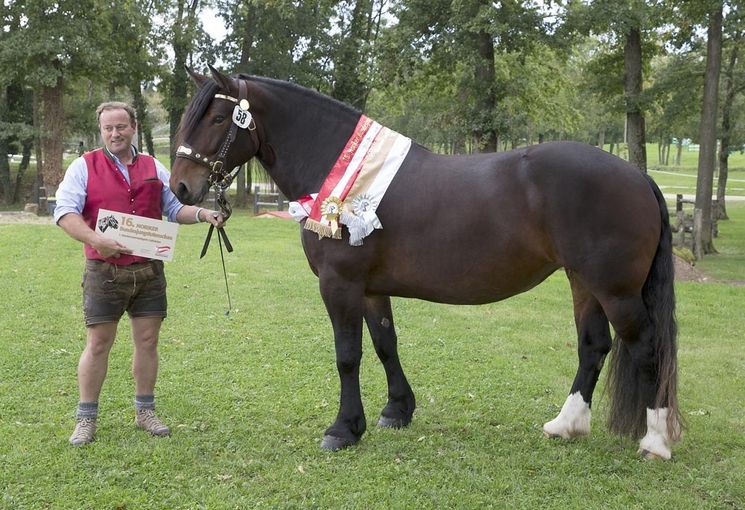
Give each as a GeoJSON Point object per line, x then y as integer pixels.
{"type": "Point", "coordinates": [249, 394]}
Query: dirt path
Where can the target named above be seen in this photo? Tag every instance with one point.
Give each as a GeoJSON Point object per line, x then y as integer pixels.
{"type": "Point", "coordinates": [10, 217]}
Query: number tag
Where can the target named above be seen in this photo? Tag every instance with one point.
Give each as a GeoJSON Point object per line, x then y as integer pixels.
{"type": "Point", "coordinates": [242, 118]}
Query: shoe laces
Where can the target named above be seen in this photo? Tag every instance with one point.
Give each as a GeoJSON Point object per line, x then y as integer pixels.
{"type": "Point", "coordinates": [84, 427]}
{"type": "Point", "coordinates": [149, 419]}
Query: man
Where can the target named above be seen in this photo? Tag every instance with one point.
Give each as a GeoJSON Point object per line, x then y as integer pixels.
{"type": "Point", "coordinates": [118, 178]}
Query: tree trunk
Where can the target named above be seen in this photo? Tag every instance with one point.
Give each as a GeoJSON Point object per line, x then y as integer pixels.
{"type": "Point", "coordinates": [729, 99]}
{"type": "Point", "coordinates": [144, 131]}
{"type": "Point", "coordinates": [679, 153]}
{"type": "Point", "coordinates": [601, 138]}
{"type": "Point", "coordinates": [708, 134]}
{"type": "Point", "coordinates": [53, 121]}
{"type": "Point", "coordinates": [250, 172]}
{"type": "Point", "coordinates": [635, 136]}
{"type": "Point", "coordinates": [668, 145]}
{"type": "Point", "coordinates": [247, 40]}
{"type": "Point", "coordinates": [241, 196]}
{"type": "Point", "coordinates": [22, 167]}
{"type": "Point", "coordinates": [486, 135]}
{"type": "Point", "coordinates": [183, 28]}
{"type": "Point", "coordinates": [36, 114]}
{"type": "Point", "coordinates": [4, 163]}
{"type": "Point", "coordinates": [660, 151]}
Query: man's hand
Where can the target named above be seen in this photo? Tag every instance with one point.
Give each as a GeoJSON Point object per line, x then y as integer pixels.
{"type": "Point", "coordinates": [77, 228]}
{"type": "Point", "coordinates": [214, 217]}
{"type": "Point", "coordinates": [109, 247]}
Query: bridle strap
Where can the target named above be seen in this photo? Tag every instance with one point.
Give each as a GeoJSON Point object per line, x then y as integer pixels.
{"type": "Point", "coordinates": [218, 175]}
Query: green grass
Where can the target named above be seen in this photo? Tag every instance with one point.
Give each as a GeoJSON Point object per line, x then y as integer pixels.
{"type": "Point", "coordinates": [729, 263]}
{"type": "Point", "coordinates": [683, 181]}
{"type": "Point", "coordinates": [248, 395]}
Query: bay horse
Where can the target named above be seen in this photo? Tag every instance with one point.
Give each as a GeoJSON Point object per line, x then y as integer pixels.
{"type": "Point", "coordinates": [468, 229]}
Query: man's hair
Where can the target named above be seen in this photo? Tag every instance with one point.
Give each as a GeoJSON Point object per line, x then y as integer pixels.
{"type": "Point", "coordinates": [116, 105]}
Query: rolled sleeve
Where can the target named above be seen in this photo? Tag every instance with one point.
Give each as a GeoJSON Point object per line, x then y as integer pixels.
{"type": "Point", "coordinates": [71, 194]}
{"type": "Point", "coordinates": [168, 201]}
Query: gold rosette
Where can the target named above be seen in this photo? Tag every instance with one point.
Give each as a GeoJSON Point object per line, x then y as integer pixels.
{"type": "Point", "coordinates": [330, 210]}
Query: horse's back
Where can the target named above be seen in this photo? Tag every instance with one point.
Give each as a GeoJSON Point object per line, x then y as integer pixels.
{"type": "Point", "coordinates": [601, 212]}
{"type": "Point", "coordinates": [475, 229]}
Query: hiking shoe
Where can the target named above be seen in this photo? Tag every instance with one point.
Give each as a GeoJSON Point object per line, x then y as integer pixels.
{"type": "Point", "coordinates": [146, 420]}
{"type": "Point", "coordinates": [84, 433]}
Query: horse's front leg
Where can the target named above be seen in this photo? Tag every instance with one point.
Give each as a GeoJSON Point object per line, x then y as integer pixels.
{"type": "Point", "coordinates": [401, 402]}
{"type": "Point", "coordinates": [344, 303]}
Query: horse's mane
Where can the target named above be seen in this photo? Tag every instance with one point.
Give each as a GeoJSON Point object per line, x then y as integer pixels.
{"type": "Point", "coordinates": [203, 97]}
{"type": "Point", "coordinates": [197, 107]}
{"type": "Point", "coordinates": [310, 94]}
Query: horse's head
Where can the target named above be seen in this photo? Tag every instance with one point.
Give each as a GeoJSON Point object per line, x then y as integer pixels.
{"type": "Point", "coordinates": [217, 134]}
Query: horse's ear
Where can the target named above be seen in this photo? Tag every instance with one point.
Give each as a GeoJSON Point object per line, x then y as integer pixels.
{"type": "Point", "coordinates": [223, 80]}
{"type": "Point", "coordinates": [199, 79]}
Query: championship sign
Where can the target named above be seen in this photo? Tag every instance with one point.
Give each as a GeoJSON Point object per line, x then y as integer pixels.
{"type": "Point", "coordinates": [146, 237]}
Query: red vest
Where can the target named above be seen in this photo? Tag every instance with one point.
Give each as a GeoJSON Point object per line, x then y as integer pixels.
{"type": "Point", "coordinates": [108, 189]}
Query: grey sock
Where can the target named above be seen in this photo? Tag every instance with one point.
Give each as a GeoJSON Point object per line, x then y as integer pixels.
{"type": "Point", "coordinates": [143, 402]}
{"type": "Point", "coordinates": [87, 410]}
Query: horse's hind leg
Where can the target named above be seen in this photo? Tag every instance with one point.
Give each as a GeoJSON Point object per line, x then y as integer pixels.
{"type": "Point", "coordinates": [634, 380]}
{"type": "Point", "coordinates": [594, 343]}
{"type": "Point", "coordinates": [399, 409]}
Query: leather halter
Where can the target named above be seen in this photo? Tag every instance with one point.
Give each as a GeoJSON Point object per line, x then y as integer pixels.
{"type": "Point", "coordinates": [219, 175]}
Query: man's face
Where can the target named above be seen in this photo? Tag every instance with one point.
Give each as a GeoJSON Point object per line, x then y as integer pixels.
{"type": "Point", "coordinates": [117, 131]}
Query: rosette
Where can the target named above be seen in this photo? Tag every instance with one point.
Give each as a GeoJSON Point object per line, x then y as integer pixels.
{"type": "Point", "coordinates": [330, 210]}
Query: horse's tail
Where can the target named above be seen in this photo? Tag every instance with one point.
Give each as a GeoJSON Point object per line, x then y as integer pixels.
{"type": "Point", "coordinates": [628, 409]}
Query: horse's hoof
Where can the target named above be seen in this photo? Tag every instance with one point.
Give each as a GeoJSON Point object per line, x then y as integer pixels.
{"type": "Point", "coordinates": [647, 455]}
{"type": "Point", "coordinates": [392, 423]}
{"type": "Point", "coordinates": [333, 443]}
{"type": "Point", "coordinates": [551, 436]}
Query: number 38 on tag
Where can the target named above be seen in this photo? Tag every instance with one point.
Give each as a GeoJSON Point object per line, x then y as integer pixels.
{"type": "Point", "coordinates": [242, 118]}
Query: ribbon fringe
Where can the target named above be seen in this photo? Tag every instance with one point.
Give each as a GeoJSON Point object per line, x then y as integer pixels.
{"type": "Point", "coordinates": [321, 229]}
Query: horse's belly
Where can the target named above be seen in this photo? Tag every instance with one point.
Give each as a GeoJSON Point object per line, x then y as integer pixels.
{"type": "Point", "coordinates": [460, 282]}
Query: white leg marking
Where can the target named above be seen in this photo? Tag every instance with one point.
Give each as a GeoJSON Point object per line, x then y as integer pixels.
{"type": "Point", "coordinates": [657, 442]}
{"type": "Point", "coordinates": [573, 420]}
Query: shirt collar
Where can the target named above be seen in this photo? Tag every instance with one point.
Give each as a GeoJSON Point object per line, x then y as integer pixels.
{"type": "Point", "coordinates": [113, 158]}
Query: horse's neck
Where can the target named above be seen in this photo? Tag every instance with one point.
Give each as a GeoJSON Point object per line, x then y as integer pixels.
{"type": "Point", "coordinates": [304, 137]}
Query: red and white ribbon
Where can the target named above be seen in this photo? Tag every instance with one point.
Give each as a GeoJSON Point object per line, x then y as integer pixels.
{"type": "Point", "coordinates": [358, 180]}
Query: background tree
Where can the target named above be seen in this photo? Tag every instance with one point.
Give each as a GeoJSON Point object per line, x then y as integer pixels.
{"type": "Point", "coordinates": [474, 44]}
{"type": "Point", "coordinates": [630, 29]}
{"type": "Point", "coordinates": [135, 65]}
{"type": "Point", "coordinates": [52, 43]}
{"type": "Point", "coordinates": [16, 137]}
{"type": "Point", "coordinates": [187, 36]}
{"type": "Point", "coordinates": [702, 234]}
{"type": "Point", "coordinates": [677, 82]}
{"type": "Point", "coordinates": [281, 40]}
{"type": "Point", "coordinates": [458, 76]}
{"type": "Point", "coordinates": [734, 84]}
{"type": "Point", "coordinates": [350, 79]}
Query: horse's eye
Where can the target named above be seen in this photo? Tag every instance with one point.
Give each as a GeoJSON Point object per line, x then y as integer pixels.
{"type": "Point", "coordinates": [218, 119]}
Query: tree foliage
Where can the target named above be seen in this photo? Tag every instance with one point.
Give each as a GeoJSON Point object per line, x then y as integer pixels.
{"type": "Point", "coordinates": [457, 75]}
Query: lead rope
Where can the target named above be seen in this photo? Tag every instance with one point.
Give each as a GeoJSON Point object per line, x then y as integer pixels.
{"type": "Point", "coordinates": [243, 119]}
{"type": "Point", "coordinates": [226, 211]}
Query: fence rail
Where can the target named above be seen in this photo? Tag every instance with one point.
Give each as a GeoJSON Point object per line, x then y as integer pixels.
{"type": "Point", "coordinates": [268, 199]}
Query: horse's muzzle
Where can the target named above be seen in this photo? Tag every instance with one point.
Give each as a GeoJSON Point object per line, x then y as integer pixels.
{"type": "Point", "coordinates": [186, 195]}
